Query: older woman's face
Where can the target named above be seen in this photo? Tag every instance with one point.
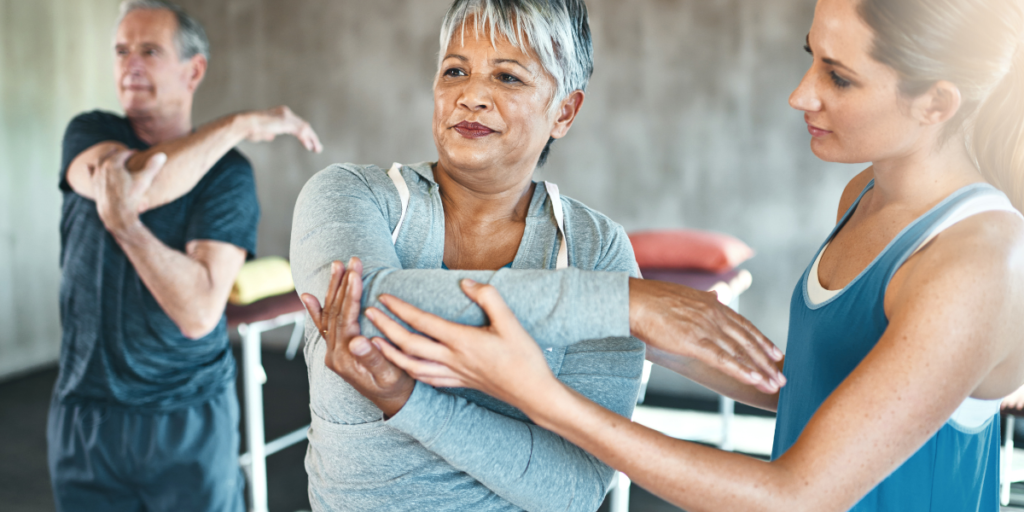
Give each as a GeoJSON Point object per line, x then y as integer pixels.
{"type": "Point", "coordinates": [491, 104]}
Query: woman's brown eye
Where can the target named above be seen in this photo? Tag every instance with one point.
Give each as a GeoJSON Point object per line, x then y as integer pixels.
{"type": "Point", "coordinates": [507, 78]}
{"type": "Point", "coordinates": [454, 72]}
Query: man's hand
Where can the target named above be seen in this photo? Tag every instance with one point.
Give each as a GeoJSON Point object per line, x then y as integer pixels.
{"type": "Point", "coordinates": [1014, 402]}
{"type": "Point", "coordinates": [264, 125]}
{"type": "Point", "coordinates": [121, 195]}
{"type": "Point", "coordinates": [349, 354]}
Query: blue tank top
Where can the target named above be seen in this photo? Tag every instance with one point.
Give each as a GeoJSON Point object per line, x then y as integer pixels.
{"type": "Point", "coordinates": [957, 470]}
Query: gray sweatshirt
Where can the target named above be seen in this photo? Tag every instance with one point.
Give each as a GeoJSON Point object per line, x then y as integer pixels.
{"type": "Point", "coordinates": [458, 449]}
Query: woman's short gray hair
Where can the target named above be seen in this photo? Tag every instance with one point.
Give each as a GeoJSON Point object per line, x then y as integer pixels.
{"type": "Point", "coordinates": [190, 38]}
{"type": "Point", "coordinates": [557, 30]}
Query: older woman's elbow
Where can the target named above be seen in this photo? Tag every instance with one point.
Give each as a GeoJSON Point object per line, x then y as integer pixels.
{"type": "Point", "coordinates": [592, 489]}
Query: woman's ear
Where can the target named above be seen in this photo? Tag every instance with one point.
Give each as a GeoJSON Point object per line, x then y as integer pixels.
{"type": "Point", "coordinates": [938, 105]}
{"type": "Point", "coordinates": [567, 112]}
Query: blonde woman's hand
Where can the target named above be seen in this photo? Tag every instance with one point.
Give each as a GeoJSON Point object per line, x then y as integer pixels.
{"type": "Point", "coordinates": [500, 359]}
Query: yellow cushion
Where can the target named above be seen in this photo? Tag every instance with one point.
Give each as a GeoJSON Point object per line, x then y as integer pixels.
{"type": "Point", "coordinates": [262, 278]}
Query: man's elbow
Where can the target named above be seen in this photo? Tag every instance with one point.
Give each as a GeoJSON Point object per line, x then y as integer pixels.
{"type": "Point", "coordinates": [201, 323]}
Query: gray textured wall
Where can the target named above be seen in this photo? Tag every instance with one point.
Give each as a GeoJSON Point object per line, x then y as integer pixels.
{"type": "Point", "coordinates": [686, 122]}
{"type": "Point", "coordinates": [55, 60]}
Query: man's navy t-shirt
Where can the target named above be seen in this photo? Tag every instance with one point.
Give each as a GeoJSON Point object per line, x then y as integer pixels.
{"type": "Point", "coordinates": [119, 347]}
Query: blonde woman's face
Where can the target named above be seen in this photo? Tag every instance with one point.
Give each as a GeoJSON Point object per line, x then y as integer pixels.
{"type": "Point", "coordinates": [851, 102]}
{"type": "Point", "coordinates": [490, 104]}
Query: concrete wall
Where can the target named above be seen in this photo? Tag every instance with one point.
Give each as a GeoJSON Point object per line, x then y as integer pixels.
{"type": "Point", "coordinates": [686, 122]}
{"type": "Point", "coordinates": [55, 60]}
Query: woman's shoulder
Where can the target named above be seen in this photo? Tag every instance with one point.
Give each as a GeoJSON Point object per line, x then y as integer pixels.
{"type": "Point", "coordinates": [585, 218]}
{"type": "Point", "coordinates": [343, 175]}
{"type": "Point", "coordinates": [594, 233]}
{"type": "Point", "coordinates": [983, 254]}
{"type": "Point", "coordinates": [346, 175]}
{"type": "Point", "coordinates": [995, 236]}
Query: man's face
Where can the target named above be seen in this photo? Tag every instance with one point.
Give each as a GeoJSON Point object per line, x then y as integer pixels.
{"type": "Point", "coordinates": [150, 75]}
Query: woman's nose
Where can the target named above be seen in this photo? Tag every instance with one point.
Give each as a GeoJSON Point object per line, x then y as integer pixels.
{"type": "Point", "coordinates": [805, 97]}
{"type": "Point", "coordinates": [476, 95]}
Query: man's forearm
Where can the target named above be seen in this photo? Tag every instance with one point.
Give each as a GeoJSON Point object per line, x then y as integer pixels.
{"type": "Point", "coordinates": [189, 158]}
{"type": "Point", "coordinates": [182, 286]}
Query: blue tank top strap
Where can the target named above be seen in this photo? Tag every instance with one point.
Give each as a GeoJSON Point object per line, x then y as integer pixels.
{"type": "Point", "coordinates": [912, 236]}
{"type": "Point", "coordinates": [903, 245]}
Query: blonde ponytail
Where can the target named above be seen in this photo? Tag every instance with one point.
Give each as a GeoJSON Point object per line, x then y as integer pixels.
{"type": "Point", "coordinates": [997, 137]}
{"type": "Point", "coordinates": [976, 45]}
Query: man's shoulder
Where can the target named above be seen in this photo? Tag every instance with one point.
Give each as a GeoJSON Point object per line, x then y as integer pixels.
{"type": "Point", "coordinates": [89, 128]}
{"type": "Point", "coordinates": [98, 120]}
{"type": "Point", "coordinates": [235, 161]}
{"type": "Point", "coordinates": [233, 166]}
{"type": "Point", "coordinates": [232, 176]}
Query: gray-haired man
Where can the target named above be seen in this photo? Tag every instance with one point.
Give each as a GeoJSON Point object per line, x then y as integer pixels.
{"type": "Point", "coordinates": [158, 218]}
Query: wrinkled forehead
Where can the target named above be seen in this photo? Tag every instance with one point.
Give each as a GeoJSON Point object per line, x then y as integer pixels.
{"type": "Point", "coordinates": [504, 32]}
{"type": "Point", "coordinates": [147, 26]}
{"type": "Point", "coordinates": [470, 32]}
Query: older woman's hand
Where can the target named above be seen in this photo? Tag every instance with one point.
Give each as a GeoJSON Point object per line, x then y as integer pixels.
{"type": "Point", "coordinates": [500, 359]}
{"type": "Point", "coordinates": [349, 354]}
{"type": "Point", "coordinates": [686, 322]}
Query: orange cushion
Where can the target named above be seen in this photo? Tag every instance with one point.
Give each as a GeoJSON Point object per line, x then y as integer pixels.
{"type": "Point", "coordinates": [689, 249]}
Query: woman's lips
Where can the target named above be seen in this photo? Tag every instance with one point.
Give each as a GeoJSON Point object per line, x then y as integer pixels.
{"type": "Point", "coordinates": [472, 130]}
{"type": "Point", "coordinates": [815, 131]}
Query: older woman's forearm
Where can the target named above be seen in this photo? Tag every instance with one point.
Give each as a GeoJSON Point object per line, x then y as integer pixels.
{"type": "Point", "coordinates": [558, 308]}
{"type": "Point", "coordinates": [530, 467]}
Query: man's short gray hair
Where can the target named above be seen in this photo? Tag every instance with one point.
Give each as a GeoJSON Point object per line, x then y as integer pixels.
{"type": "Point", "coordinates": [190, 38]}
{"type": "Point", "coordinates": [557, 30]}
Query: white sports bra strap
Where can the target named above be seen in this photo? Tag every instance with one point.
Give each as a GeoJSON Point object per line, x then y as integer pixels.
{"type": "Point", "coordinates": [403, 192]}
{"type": "Point", "coordinates": [556, 206]}
{"type": "Point", "coordinates": [992, 200]}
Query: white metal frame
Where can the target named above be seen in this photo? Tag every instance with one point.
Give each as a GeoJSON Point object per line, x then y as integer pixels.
{"type": "Point", "coordinates": [254, 462]}
{"type": "Point", "coordinates": [1007, 475]}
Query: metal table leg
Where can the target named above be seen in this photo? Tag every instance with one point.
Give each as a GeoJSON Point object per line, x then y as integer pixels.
{"type": "Point", "coordinates": [727, 406]}
{"type": "Point", "coordinates": [1006, 473]}
{"type": "Point", "coordinates": [618, 499]}
{"type": "Point", "coordinates": [254, 377]}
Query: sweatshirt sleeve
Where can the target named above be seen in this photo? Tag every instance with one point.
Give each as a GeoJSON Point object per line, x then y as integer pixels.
{"type": "Point", "coordinates": [346, 211]}
{"type": "Point", "coordinates": [527, 465]}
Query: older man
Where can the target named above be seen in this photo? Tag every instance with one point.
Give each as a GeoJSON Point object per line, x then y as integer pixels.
{"type": "Point", "coordinates": [158, 218]}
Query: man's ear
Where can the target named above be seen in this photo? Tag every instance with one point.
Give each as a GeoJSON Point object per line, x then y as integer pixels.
{"type": "Point", "coordinates": [939, 104]}
{"type": "Point", "coordinates": [196, 70]}
{"type": "Point", "coordinates": [567, 112]}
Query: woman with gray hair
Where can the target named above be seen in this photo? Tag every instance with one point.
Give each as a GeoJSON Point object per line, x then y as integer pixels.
{"type": "Point", "coordinates": [904, 330]}
{"type": "Point", "coordinates": [510, 81]}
